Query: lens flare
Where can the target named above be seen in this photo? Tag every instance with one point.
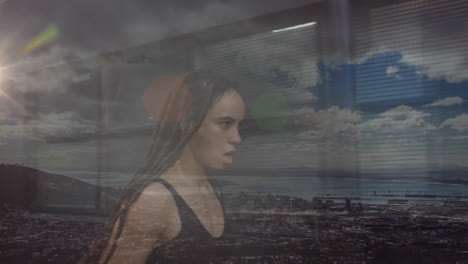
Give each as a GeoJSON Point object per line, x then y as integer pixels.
{"type": "Point", "coordinates": [271, 111]}
{"type": "Point", "coordinates": [167, 99]}
{"type": "Point", "coordinates": [46, 36]}
{"type": "Point", "coordinates": [374, 124]}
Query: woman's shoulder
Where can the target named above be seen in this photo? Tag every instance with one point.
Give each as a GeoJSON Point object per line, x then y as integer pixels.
{"type": "Point", "coordinates": [156, 207]}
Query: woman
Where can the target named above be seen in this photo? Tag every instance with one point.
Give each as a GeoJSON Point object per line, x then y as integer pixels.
{"type": "Point", "coordinates": [170, 208]}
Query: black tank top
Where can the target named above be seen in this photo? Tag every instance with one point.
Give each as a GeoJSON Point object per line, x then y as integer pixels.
{"type": "Point", "coordinates": [193, 244]}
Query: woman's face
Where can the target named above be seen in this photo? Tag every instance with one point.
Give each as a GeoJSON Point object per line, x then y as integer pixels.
{"type": "Point", "coordinates": [215, 141]}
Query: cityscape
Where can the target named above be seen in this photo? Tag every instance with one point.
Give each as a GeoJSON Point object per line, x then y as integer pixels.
{"type": "Point", "coordinates": [275, 228]}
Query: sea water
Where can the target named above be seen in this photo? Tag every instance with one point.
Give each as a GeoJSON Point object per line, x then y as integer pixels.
{"type": "Point", "coordinates": [368, 190]}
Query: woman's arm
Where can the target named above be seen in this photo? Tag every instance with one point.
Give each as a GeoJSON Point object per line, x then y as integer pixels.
{"type": "Point", "coordinates": [153, 219]}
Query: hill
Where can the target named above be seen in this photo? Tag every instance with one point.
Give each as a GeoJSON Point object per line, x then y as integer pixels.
{"type": "Point", "coordinates": [34, 189]}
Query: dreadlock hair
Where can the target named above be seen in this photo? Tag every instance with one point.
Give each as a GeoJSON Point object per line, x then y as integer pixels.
{"type": "Point", "coordinates": [188, 102]}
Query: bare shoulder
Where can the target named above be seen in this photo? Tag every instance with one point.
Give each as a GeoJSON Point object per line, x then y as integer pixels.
{"type": "Point", "coordinates": [155, 212]}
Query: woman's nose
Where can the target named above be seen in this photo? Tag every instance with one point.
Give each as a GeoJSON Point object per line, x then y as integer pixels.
{"type": "Point", "coordinates": [235, 137]}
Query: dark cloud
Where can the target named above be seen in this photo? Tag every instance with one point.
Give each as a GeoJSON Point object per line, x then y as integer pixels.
{"type": "Point", "coordinates": [104, 25]}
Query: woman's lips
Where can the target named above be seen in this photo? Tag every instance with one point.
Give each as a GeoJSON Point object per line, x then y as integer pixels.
{"type": "Point", "coordinates": [228, 158]}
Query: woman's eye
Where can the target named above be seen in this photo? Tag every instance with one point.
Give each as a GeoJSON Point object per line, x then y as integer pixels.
{"type": "Point", "coordinates": [226, 123]}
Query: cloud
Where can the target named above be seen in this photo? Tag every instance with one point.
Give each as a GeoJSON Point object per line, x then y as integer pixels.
{"type": "Point", "coordinates": [392, 70]}
{"type": "Point", "coordinates": [24, 107]}
{"type": "Point", "coordinates": [136, 24]}
{"type": "Point", "coordinates": [449, 101]}
{"type": "Point", "coordinates": [47, 71]}
{"type": "Point", "coordinates": [333, 121]}
{"type": "Point", "coordinates": [49, 127]}
{"type": "Point", "coordinates": [44, 75]}
{"type": "Point", "coordinates": [459, 138]}
{"type": "Point", "coordinates": [300, 96]}
{"type": "Point", "coordinates": [146, 27]}
{"type": "Point", "coordinates": [460, 123]}
{"type": "Point", "coordinates": [279, 62]}
{"type": "Point", "coordinates": [401, 110]}
{"type": "Point", "coordinates": [61, 124]}
{"type": "Point", "coordinates": [399, 118]}
{"type": "Point", "coordinates": [436, 50]}
{"type": "Point", "coordinates": [447, 63]}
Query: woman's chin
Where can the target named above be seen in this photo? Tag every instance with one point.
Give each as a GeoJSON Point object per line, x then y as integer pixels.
{"type": "Point", "coordinates": [219, 166]}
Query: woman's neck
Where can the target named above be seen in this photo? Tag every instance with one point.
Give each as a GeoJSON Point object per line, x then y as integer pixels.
{"type": "Point", "coordinates": [187, 171]}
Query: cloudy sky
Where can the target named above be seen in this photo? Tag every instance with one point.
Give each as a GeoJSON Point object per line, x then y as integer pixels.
{"type": "Point", "coordinates": [39, 108]}
{"type": "Point", "coordinates": [397, 102]}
